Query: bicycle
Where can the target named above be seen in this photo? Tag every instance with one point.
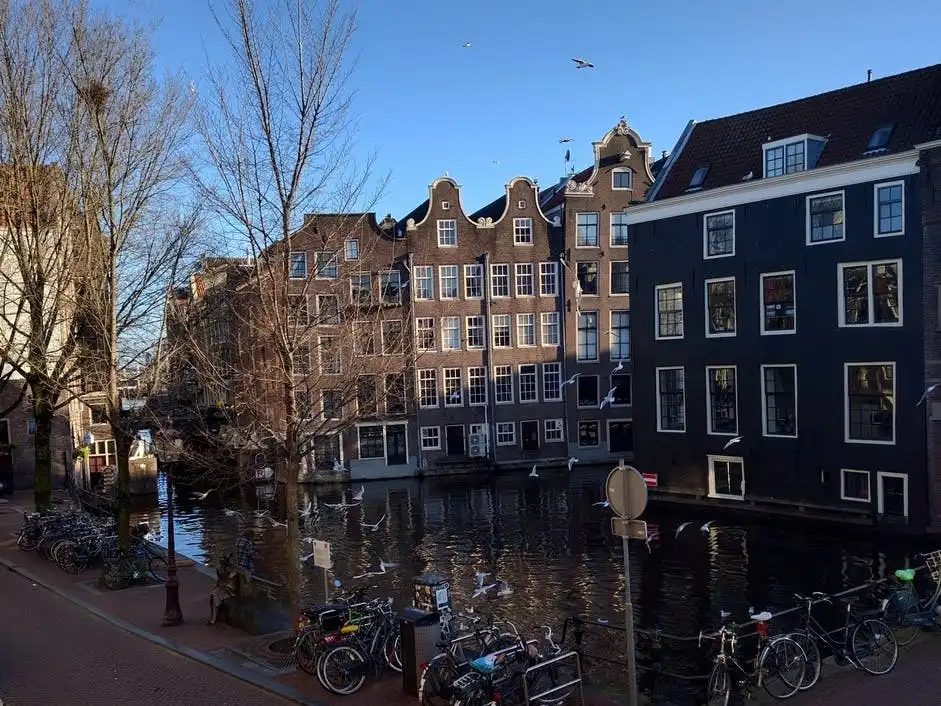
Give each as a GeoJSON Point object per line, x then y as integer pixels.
{"type": "Point", "coordinates": [778, 657]}
{"type": "Point", "coordinates": [858, 640]}
{"type": "Point", "coordinates": [905, 611]}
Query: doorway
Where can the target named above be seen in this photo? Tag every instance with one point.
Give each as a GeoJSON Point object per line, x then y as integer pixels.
{"type": "Point", "coordinates": [454, 439]}
{"type": "Point", "coordinates": [396, 445]}
{"type": "Point", "coordinates": [893, 494]}
{"type": "Point", "coordinates": [529, 433]}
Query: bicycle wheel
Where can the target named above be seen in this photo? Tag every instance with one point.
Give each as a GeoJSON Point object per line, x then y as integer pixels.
{"type": "Point", "coordinates": [435, 685]}
{"type": "Point", "coordinates": [720, 686]}
{"type": "Point", "coordinates": [814, 662]}
{"type": "Point", "coordinates": [28, 540]}
{"type": "Point", "coordinates": [874, 646]}
{"type": "Point", "coordinates": [116, 576]}
{"type": "Point", "coordinates": [157, 566]}
{"type": "Point", "coordinates": [306, 651]}
{"type": "Point", "coordinates": [899, 615]}
{"type": "Point", "coordinates": [343, 670]}
{"type": "Point", "coordinates": [781, 666]}
{"type": "Point", "coordinates": [393, 651]}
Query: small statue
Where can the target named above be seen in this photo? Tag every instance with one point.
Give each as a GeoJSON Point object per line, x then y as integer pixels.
{"type": "Point", "coordinates": [226, 587]}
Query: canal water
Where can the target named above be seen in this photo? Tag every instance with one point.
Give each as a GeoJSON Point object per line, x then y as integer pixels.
{"type": "Point", "coordinates": [552, 544]}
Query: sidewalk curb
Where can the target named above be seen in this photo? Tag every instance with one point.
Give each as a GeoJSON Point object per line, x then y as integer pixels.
{"type": "Point", "coordinates": [244, 675]}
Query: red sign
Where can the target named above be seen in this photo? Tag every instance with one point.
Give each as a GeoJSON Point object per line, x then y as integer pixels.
{"type": "Point", "coordinates": [650, 479]}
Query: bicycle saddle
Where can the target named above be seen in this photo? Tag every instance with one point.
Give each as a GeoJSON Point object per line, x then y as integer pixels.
{"type": "Point", "coordinates": [905, 575]}
{"type": "Point", "coordinates": [849, 600]}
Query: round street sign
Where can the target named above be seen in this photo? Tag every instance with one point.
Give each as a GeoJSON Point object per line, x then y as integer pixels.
{"type": "Point", "coordinates": [627, 492]}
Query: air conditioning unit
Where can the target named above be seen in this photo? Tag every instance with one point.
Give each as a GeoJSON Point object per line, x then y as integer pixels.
{"type": "Point", "coordinates": [477, 445]}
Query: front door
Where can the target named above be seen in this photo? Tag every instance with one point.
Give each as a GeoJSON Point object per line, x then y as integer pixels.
{"type": "Point", "coordinates": [893, 494]}
{"type": "Point", "coordinates": [529, 433]}
{"type": "Point", "coordinates": [396, 447]}
{"type": "Point", "coordinates": [454, 437]}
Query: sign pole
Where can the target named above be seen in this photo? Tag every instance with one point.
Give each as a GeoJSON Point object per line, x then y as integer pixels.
{"type": "Point", "coordinates": [326, 587]}
{"type": "Point", "coordinates": [629, 627]}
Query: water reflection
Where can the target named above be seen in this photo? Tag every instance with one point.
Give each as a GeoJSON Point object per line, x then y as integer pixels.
{"type": "Point", "coordinates": [555, 549]}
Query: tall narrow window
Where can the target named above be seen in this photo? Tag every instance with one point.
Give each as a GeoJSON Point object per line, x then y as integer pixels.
{"type": "Point", "coordinates": [447, 233]}
{"type": "Point", "coordinates": [669, 311]}
{"type": "Point", "coordinates": [528, 389]}
{"type": "Point", "coordinates": [620, 335]}
{"type": "Point", "coordinates": [364, 338]}
{"type": "Point", "coordinates": [298, 265]}
{"type": "Point", "coordinates": [453, 387]}
{"type": "Point", "coordinates": [587, 273]}
{"type": "Point", "coordinates": [778, 303]}
{"type": "Point", "coordinates": [779, 391]}
{"type": "Point", "coordinates": [331, 361]}
{"type": "Point", "coordinates": [424, 276]}
{"type": "Point", "coordinates": [450, 333]}
{"type": "Point", "coordinates": [425, 333]}
{"type": "Point", "coordinates": [327, 265]}
{"type": "Point", "coordinates": [526, 329]}
{"type": "Point", "coordinates": [825, 218]}
{"type": "Point", "coordinates": [473, 281]}
{"type": "Point", "coordinates": [719, 234]}
{"type": "Point", "coordinates": [522, 231]}
{"type": "Point", "coordinates": [524, 279]}
{"type": "Point", "coordinates": [551, 382]}
{"type": "Point", "coordinates": [587, 390]}
{"type": "Point", "coordinates": [618, 229]}
{"type": "Point", "coordinates": [503, 384]}
{"type": "Point", "coordinates": [720, 307]}
{"type": "Point", "coordinates": [870, 403]}
{"type": "Point", "coordinates": [328, 309]}
{"type": "Point", "coordinates": [587, 336]}
{"type": "Point", "coordinates": [427, 388]}
{"type": "Point", "coordinates": [499, 281]}
{"type": "Point", "coordinates": [395, 393]}
{"type": "Point", "coordinates": [477, 386]}
{"type": "Point", "coordinates": [367, 401]}
{"type": "Point", "coordinates": [890, 209]}
{"type": "Point", "coordinates": [550, 328]}
{"type": "Point", "coordinates": [390, 287]}
{"type": "Point", "coordinates": [392, 332]}
{"type": "Point", "coordinates": [351, 250]}
{"type": "Point", "coordinates": [723, 400]}
{"type": "Point", "coordinates": [548, 279]}
{"type": "Point", "coordinates": [448, 281]}
{"type": "Point", "coordinates": [586, 230]}
{"type": "Point", "coordinates": [671, 399]}
{"type": "Point", "coordinates": [620, 277]}
{"type": "Point", "coordinates": [475, 332]}
{"type": "Point", "coordinates": [361, 289]}
{"type": "Point", "coordinates": [500, 325]}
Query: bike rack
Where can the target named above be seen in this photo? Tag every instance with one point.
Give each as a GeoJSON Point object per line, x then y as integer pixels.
{"type": "Point", "coordinates": [530, 699]}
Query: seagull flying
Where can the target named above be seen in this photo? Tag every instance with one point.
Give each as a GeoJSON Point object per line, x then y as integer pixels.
{"type": "Point", "coordinates": [620, 366]}
{"type": "Point", "coordinates": [563, 140]}
{"type": "Point", "coordinates": [572, 462]}
{"type": "Point", "coordinates": [601, 503]}
{"type": "Point", "coordinates": [383, 565]}
{"type": "Point", "coordinates": [930, 389]}
{"type": "Point", "coordinates": [275, 523]}
{"type": "Point", "coordinates": [570, 381]}
{"type": "Point", "coordinates": [706, 527]}
{"type": "Point", "coordinates": [308, 509]}
{"type": "Point", "coordinates": [203, 496]}
{"type": "Point", "coordinates": [358, 495]}
{"type": "Point", "coordinates": [533, 473]}
{"type": "Point", "coordinates": [608, 398]}
{"type": "Point", "coordinates": [337, 466]}
{"type": "Point", "coordinates": [504, 589]}
{"type": "Point", "coordinates": [650, 538]}
{"type": "Point", "coordinates": [466, 45]}
{"type": "Point", "coordinates": [374, 527]}
{"type": "Point", "coordinates": [307, 557]}
{"type": "Point", "coordinates": [582, 64]}
{"type": "Point", "coordinates": [731, 442]}
{"type": "Point", "coordinates": [495, 162]}
{"type": "Point", "coordinates": [483, 590]}
{"type": "Point", "coordinates": [233, 513]}
{"type": "Point", "coordinates": [681, 528]}
{"type": "Point", "coordinates": [455, 396]}
{"type": "Point", "coordinates": [480, 576]}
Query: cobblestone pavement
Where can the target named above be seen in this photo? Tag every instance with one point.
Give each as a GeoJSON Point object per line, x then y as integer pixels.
{"type": "Point", "coordinates": [56, 653]}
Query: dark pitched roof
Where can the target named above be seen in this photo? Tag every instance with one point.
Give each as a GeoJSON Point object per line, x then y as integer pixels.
{"type": "Point", "coordinates": [418, 213]}
{"type": "Point", "coordinates": [731, 146]}
{"type": "Point", "coordinates": [559, 196]}
{"type": "Point", "coordinates": [493, 210]}
{"type": "Point", "coordinates": [657, 165]}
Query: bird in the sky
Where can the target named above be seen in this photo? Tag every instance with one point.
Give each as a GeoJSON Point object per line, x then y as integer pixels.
{"type": "Point", "coordinates": [570, 381]}
{"type": "Point", "coordinates": [572, 462]}
{"type": "Point", "coordinates": [466, 45]}
{"type": "Point", "coordinates": [608, 398]}
{"type": "Point", "coordinates": [582, 64]}
{"type": "Point", "coordinates": [203, 496]}
{"type": "Point", "coordinates": [731, 442]}
{"type": "Point", "coordinates": [495, 162]}
{"type": "Point", "coordinates": [563, 140]}
{"type": "Point", "coordinates": [533, 473]}
{"type": "Point", "coordinates": [931, 388]}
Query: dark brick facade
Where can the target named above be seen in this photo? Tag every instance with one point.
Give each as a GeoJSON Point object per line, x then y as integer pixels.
{"type": "Point", "coordinates": [929, 185]}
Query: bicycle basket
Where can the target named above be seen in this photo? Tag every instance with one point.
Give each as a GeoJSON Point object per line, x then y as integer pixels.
{"type": "Point", "coordinates": [465, 685]}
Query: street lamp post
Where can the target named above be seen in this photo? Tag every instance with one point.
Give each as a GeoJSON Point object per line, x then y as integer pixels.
{"type": "Point", "coordinates": [172, 614]}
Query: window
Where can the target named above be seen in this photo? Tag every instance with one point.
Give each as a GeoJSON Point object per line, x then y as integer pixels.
{"type": "Point", "coordinates": [425, 333]}
{"type": "Point", "coordinates": [367, 399]}
{"type": "Point", "coordinates": [473, 281]}
{"type": "Point", "coordinates": [427, 388]}
{"type": "Point", "coordinates": [506, 434]}
{"type": "Point", "coordinates": [870, 403]}
{"type": "Point", "coordinates": [450, 333]}
{"type": "Point", "coordinates": [890, 209]}
{"type": "Point", "coordinates": [620, 332]}
{"type": "Point", "coordinates": [526, 329]}
{"type": "Point", "coordinates": [528, 387]}
{"type": "Point", "coordinates": [447, 233]}
{"type": "Point", "coordinates": [669, 311]}
{"type": "Point", "coordinates": [392, 333]}
{"type": "Point", "coordinates": [331, 361]}
{"type": "Point", "coordinates": [445, 205]}
{"type": "Point", "coordinates": [501, 331]}
{"type": "Point", "coordinates": [719, 234]}
{"type": "Point", "coordinates": [522, 231]}
{"type": "Point", "coordinates": [892, 494]}
{"type": "Point", "coordinates": [351, 249]}
{"type": "Point", "coordinates": [549, 321]}
{"type": "Point", "coordinates": [620, 277]}
{"type": "Point", "coordinates": [298, 315]}
{"type": "Point", "coordinates": [779, 392]}
{"type": "Point", "coordinates": [327, 452]}
{"type": "Point", "coordinates": [298, 265]}
{"type": "Point", "coordinates": [302, 359]}
{"type": "Point", "coordinates": [390, 287]}
{"type": "Point", "coordinates": [698, 179]}
{"type": "Point", "coordinates": [720, 307]}
{"type": "Point", "coordinates": [328, 309]}
{"type": "Point", "coordinates": [548, 279]}
{"type": "Point", "coordinates": [778, 303]}
{"type": "Point", "coordinates": [825, 218]}
{"type": "Point", "coordinates": [503, 384]}
{"type": "Point", "coordinates": [587, 336]}
{"type": "Point", "coordinates": [621, 384]}
{"type": "Point", "coordinates": [395, 393]}
{"type": "Point", "coordinates": [587, 390]}
{"type": "Point", "coordinates": [448, 281]}
{"type": "Point", "coordinates": [722, 400]}
{"type": "Point", "coordinates": [588, 435]}
{"type": "Point", "coordinates": [371, 441]}
{"type": "Point", "coordinates": [553, 431]}
{"type": "Point", "coordinates": [364, 340]}
{"type": "Point", "coordinates": [870, 293]}
{"type": "Point", "coordinates": [331, 404]}
{"type": "Point", "coordinates": [620, 436]}
{"type": "Point", "coordinates": [524, 279]}
{"type": "Point", "coordinates": [430, 438]}
{"type": "Point", "coordinates": [588, 277]}
{"type": "Point", "coordinates": [327, 265]}
{"type": "Point", "coordinates": [671, 399]}
{"type": "Point", "coordinates": [854, 485]}
{"type": "Point", "coordinates": [475, 332]}
{"type": "Point", "coordinates": [551, 382]}
{"type": "Point", "coordinates": [477, 386]}
{"type": "Point", "coordinates": [361, 289]}
{"type": "Point", "coordinates": [726, 477]}
{"type": "Point", "coordinates": [424, 282]}
{"type": "Point", "coordinates": [880, 138]}
{"type": "Point", "coordinates": [453, 387]}
{"type": "Point", "coordinates": [618, 229]}
{"type": "Point", "coordinates": [586, 230]}
{"type": "Point", "coordinates": [499, 281]}
{"type": "Point", "coordinates": [621, 179]}
{"type": "Point", "coordinates": [784, 159]}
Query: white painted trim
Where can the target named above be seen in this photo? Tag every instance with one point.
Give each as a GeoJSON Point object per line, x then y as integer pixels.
{"type": "Point", "coordinates": [385, 448]}
{"type": "Point", "coordinates": [480, 269]}
{"type": "Point", "coordinates": [506, 207]}
{"type": "Point", "coordinates": [424, 268]}
{"type": "Point", "coordinates": [711, 459]}
{"type": "Point", "coordinates": [764, 403]}
{"type": "Point", "coordinates": [597, 357]}
{"type": "Point", "coordinates": [512, 399]}
{"type": "Point", "coordinates": [611, 292]}
{"type": "Point", "coordinates": [671, 160]}
{"type": "Point", "coordinates": [420, 329]}
{"type": "Point", "coordinates": [436, 381]}
{"type": "Point", "coordinates": [657, 392]}
{"type": "Point", "coordinates": [726, 334]}
{"type": "Point", "coordinates": [578, 404]}
{"type": "Point", "coordinates": [807, 224]}
{"type": "Point", "coordinates": [622, 170]}
{"type": "Point", "coordinates": [291, 255]}
{"type": "Point", "coordinates": [532, 236]}
{"type": "Point", "coordinates": [705, 234]}
{"type": "Point", "coordinates": [467, 329]}
{"type": "Point", "coordinates": [578, 436]}
{"type": "Point", "coordinates": [519, 338]}
{"type": "Point", "coordinates": [656, 311]}
{"type": "Point", "coordinates": [789, 140]}
{"type": "Point", "coordinates": [597, 215]}
{"type": "Point", "coordinates": [846, 404]}
{"type": "Point", "coordinates": [841, 294]}
{"type": "Point", "coordinates": [493, 331]}
{"type": "Point", "coordinates": [486, 401]}
{"type": "Point", "coordinates": [880, 490]}
{"type": "Point", "coordinates": [431, 200]}
{"type": "Point", "coordinates": [505, 443]}
{"type": "Point", "coordinates": [631, 391]}
{"type": "Point", "coordinates": [346, 244]}
{"type": "Point", "coordinates": [441, 296]}
{"type": "Point", "coordinates": [444, 387]}
{"type": "Point", "coordinates": [438, 223]}
{"type": "Point", "coordinates": [444, 348]}
{"type": "Point", "coordinates": [421, 439]}
{"type": "Point", "coordinates": [709, 430]}
{"type": "Point", "coordinates": [532, 280]}
{"type": "Point", "coordinates": [611, 216]}
{"type": "Point", "coordinates": [761, 301]}
{"type": "Point", "coordinates": [644, 147]}
{"type": "Point", "coordinates": [875, 208]}
{"type": "Point", "coordinates": [445, 205]}
{"type": "Point", "coordinates": [607, 430]}
{"type": "Point", "coordinates": [545, 431]}
{"type": "Point", "coordinates": [611, 313]}
{"type": "Point", "coordinates": [542, 380]}
{"type": "Point", "coordinates": [820, 179]}
{"type": "Point", "coordinates": [930, 145]}
{"type": "Point", "coordinates": [542, 327]}
{"type": "Point", "coordinates": [509, 287]}
{"type": "Point", "coordinates": [555, 278]}
{"type": "Point", "coordinates": [844, 496]}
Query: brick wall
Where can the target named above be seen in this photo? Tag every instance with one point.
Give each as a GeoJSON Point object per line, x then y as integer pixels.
{"type": "Point", "coordinates": [929, 196]}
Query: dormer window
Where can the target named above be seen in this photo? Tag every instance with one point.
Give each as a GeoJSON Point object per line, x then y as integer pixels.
{"type": "Point", "coordinates": [880, 139]}
{"type": "Point", "coordinates": [699, 178]}
{"type": "Point", "coordinates": [792, 155]}
{"type": "Point", "coordinates": [621, 179]}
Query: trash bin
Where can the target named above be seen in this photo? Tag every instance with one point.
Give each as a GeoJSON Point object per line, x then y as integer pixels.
{"type": "Point", "coordinates": [432, 593]}
{"type": "Point", "coordinates": [421, 632]}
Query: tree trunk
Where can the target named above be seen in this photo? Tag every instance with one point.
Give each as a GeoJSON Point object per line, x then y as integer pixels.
{"type": "Point", "coordinates": [122, 448]}
{"type": "Point", "coordinates": [293, 532]}
{"type": "Point", "coordinates": [42, 480]}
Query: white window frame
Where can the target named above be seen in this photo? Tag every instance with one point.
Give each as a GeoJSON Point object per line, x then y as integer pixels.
{"type": "Point", "coordinates": [611, 387]}
{"type": "Point", "coordinates": [506, 275]}
{"type": "Point", "coordinates": [346, 249]}
{"type": "Point", "coordinates": [808, 228]}
{"type": "Point", "coordinates": [523, 232]}
{"type": "Point", "coordinates": [419, 328]}
{"type": "Point", "coordinates": [611, 228]}
{"type": "Point", "coordinates": [493, 330]}
{"type": "Point", "coordinates": [519, 378]}
{"type": "Point", "coordinates": [709, 430]}
{"type": "Point", "coordinates": [841, 294]}
{"type": "Point", "coordinates": [784, 143]}
{"type": "Point", "coordinates": [607, 430]}
{"type": "Point", "coordinates": [611, 291]}
{"type": "Point", "coordinates": [657, 392]}
{"type": "Point", "coordinates": [705, 234]}
{"type": "Point", "coordinates": [483, 330]}
{"type": "Point", "coordinates": [630, 178]}
{"type": "Point", "coordinates": [447, 319]}
{"type": "Point", "coordinates": [578, 436]}
{"type": "Point", "coordinates": [656, 311]}
{"type": "Point", "coordinates": [875, 209]}
{"type": "Point", "coordinates": [519, 267]}
{"type": "Point", "coordinates": [424, 272]}
{"type": "Point", "coordinates": [496, 388]}
{"type": "Point", "coordinates": [469, 275]}
{"type": "Point", "coordinates": [382, 336]}
{"type": "Point", "coordinates": [391, 277]}
{"type": "Point", "coordinates": [457, 280]}
{"type": "Point", "coordinates": [712, 476]}
{"type": "Point", "coordinates": [724, 334]}
{"type": "Point", "coordinates": [545, 316]}
{"type": "Point", "coordinates": [597, 357]}
{"type": "Point", "coordinates": [844, 496]}
{"type": "Point", "coordinates": [597, 216]}
{"type": "Point", "coordinates": [470, 401]}
{"type": "Point", "coordinates": [291, 265]}
{"type": "Point", "coordinates": [554, 275]}
{"type": "Point", "coordinates": [611, 329]}
{"type": "Point", "coordinates": [846, 404]}
{"type": "Point", "coordinates": [557, 371]}
{"type": "Point", "coordinates": [880, 495]}
{"type": "Point", "coordinates": [558, 426]}
{"type": "Point", "coordinates": [761, 301]}
{"type": "Point", "coordinates": [437, 437]}
{"type": "Point", "coordinates": [445, 205]}
{"type": "Point", "coordinates": [447, 226]}
{"type": "Point", "coordinates": [334, 258]}
{"type": "Point", "coordinates": [445, 378]}
{"type": "Point", "coordinates": [434, 386]}
{"type": "Point", "coordinates": [512, 429]}
{"type": "Point", "coordinates": [764, 405]}
{"type": "Point", "coordinates": [520, 318]}
{"type": "Point", "coordinates": [385, 447]}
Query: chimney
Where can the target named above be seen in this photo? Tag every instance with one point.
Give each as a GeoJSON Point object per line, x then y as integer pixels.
{"type": "Point", "coordinates": [663, 155]}
{"type": "Point", "coordinates": [868, 75]}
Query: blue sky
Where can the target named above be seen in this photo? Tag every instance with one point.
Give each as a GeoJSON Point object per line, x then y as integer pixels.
{"type": "Point", "coordinates": [427, 105]}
